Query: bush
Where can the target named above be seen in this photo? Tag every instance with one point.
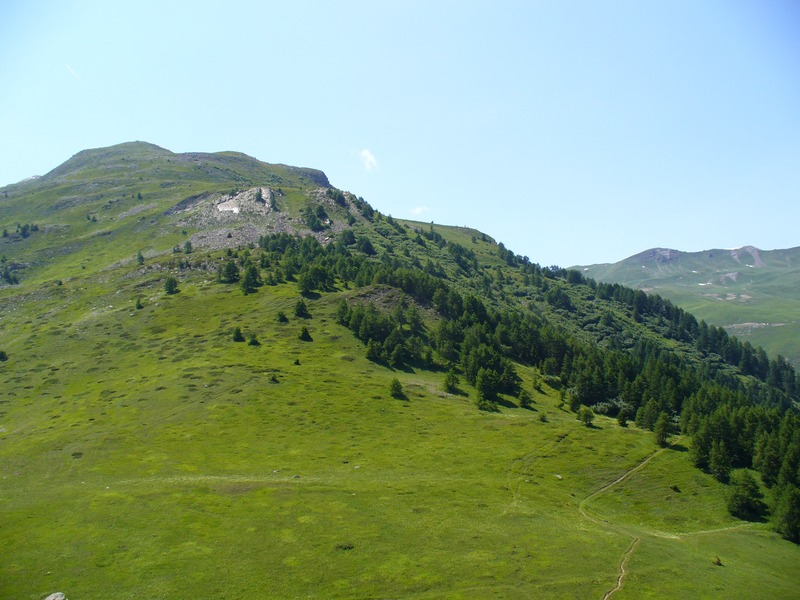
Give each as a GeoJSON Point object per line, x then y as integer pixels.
{"type": "Point", "coordinates": [237, 334]}
{"type": "Point", "coordinates": [304, 335]}
{"type": "Point", "coordinates": [281, 317]}
{"type": "Point", "coordinates": [3, 356]}
{"type": "Point", "coordinates": [253, 340]}
{"type": "Point", "coordinates": [524, 399]}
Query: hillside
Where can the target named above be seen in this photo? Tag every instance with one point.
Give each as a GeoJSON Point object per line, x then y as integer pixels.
{"type": "Point", "coordinates": [226, 378]}
{"type": "Point", "coordinates": [754, 294]}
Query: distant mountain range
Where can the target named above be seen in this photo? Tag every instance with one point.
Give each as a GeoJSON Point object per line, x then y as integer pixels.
{"type": "Point", "coordinates": [754, 294]}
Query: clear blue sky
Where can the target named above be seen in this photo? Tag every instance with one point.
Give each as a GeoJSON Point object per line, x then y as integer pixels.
{"type": "Point", "coordinates": [574, 132]}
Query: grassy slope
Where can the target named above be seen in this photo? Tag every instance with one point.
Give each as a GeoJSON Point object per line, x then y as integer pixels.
{"type": "Point", "coordinates": [145, 454]}
{"type": "Point", "coordinates": [762, 306]}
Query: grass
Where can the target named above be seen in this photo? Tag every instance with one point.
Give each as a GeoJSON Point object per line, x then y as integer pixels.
{"type": "Point", "coordinates": [143, 453]}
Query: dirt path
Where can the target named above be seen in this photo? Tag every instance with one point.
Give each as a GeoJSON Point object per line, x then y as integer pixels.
{"type": "Point", "coordinates": [617, 481]}
{"type": "Point", "coordinates": [625, 558]}
{"type": "Point", "coordinates": [629, 552]}
{"type": "Point", "coordinates": [622, 530]}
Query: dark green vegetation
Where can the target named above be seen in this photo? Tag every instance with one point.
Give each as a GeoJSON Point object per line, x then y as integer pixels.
{"type": "Point", "coordinates": [754, 294]}
{"type": "Point", "coordinates": [403, 420]}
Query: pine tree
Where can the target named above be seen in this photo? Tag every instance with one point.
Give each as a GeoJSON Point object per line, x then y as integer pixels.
{"type": "Point", "coordinates": [395, 388]}
{"type": "Point", "coordinates": [171, 285]}
{"type": "Point", "coordinates": [719, 461]}
{"type": "Point", "coordinates": [301, 310]}
{"type": "Point", "coordinates": [250, 279]}
{"type": "Point", "coordinates": [451, 382]}
{"type": "Point", "coordinates": [661, 429]}
{"type": "Point", "coordinates": [745, 500]}
{"type": "Point", "coordinates": [585, 415]}
{"type": "Point", "coordinates": [229, 273]}
{"type": "Point", "coordinates": [787, 514]}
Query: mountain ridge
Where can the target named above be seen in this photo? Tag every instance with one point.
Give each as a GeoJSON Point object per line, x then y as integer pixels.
{"type": "Point", "coordinates": [751, 292]}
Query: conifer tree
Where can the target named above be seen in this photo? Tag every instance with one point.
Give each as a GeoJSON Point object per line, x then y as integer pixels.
{"type": "Point", "coordinates": [171, 285]}
{"type": "Point", "coordinates": [745, 500]}
{"type": "Point", "coordinates": [787, 514]}
{"type": "Point", "coordinates": [451, 382]}
{"type": "Point", "coordinates": [661, 429]}
{"type": "Point", "coordinates": [301, 310]}
{"type": "Point", "coordinates": [395, 388]}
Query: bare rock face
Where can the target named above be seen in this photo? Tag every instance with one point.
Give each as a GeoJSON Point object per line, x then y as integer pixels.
{"type": "Point", "coordinates": [56, 596]}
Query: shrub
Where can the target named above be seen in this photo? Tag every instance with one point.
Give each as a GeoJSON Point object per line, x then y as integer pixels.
{"type": "Point", "coordinates": [3, 356]}
{"type": "Point", "coordinates": [281, 317]}
{"type": "Point", "coordinates": [253, 340]}
{"type": "Point", "coordinates": [237, 334]}
{"type": "Point", "coordinates": [304, 335]}
{"type": "Point", "coordinates": [395, 388]}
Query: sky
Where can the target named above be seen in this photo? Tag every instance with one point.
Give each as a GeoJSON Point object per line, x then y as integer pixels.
{"type": "Point", "coordinates": [573, 132]}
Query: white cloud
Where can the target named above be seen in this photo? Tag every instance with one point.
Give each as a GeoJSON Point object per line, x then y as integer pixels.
{"type": "Point", "coordinates": [420, 210]}
{"type": "Point", "coordinates": [368, 158]}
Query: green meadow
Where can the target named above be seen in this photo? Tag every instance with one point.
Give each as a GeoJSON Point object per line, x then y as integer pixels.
{"type": "Point", "coordinates": [145, 454]}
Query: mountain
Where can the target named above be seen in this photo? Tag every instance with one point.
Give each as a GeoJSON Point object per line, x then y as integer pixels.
{"type": "Point", "coordinates": [754, 294]}
{"type": "Point", "coordinates": [227, 378]}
